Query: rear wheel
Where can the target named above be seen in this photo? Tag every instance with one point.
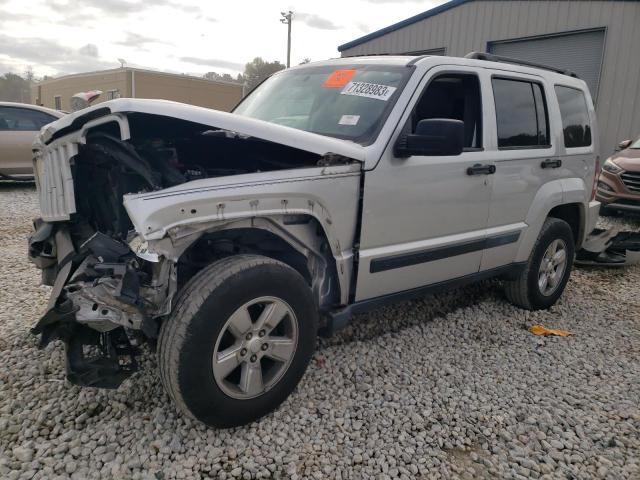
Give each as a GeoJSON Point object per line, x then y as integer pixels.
{"type": "Point", "coordinates": [239, 340]}
{"type": "Point", "coordinates": [547, 272]}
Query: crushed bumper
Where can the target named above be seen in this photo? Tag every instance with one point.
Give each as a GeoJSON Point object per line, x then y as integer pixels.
{"type": "Point", "coordinates": [100, 292]}
{"type": "Point", "coordinates": [94, 359]}
{"type": "Point", "coordinates": [610, 248]}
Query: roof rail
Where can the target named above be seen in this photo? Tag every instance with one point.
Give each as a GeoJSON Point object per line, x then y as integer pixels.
{"type": "Point", "coordinates": [497, 58]}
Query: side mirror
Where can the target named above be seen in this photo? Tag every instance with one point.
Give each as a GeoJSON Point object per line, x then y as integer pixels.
{"type": "Point", "coordinates": [624, 144]}
{"type": "Point", "coordinates": [433, 137]}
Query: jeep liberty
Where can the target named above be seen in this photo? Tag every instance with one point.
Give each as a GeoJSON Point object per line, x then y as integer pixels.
{"type": "Point", "coordinates": [230, 240]}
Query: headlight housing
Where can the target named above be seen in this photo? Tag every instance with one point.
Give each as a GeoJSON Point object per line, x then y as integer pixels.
{"type": "Point", "coordinates": [611, 167]}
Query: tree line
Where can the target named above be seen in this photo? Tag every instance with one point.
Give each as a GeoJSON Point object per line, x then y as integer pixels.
{"type": "Point", "coordinates": [17, 88]}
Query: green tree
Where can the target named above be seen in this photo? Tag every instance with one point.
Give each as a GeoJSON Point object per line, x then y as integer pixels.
{"type": "Point", "coordinates": [14, 88]}
{"type": "Point", "coordinates": [257, 70]}
{"type": "Point", "coordinates": [225, 77]}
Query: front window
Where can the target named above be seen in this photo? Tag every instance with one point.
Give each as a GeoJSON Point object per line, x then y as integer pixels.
{"type": "Point", "coordinates": [349, 102]}
{"type": "Point", "coordinates": [635, 144]}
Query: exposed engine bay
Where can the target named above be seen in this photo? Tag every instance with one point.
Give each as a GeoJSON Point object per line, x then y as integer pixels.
{"type": "Point", "coordinates": [164, 152]}
{"type": "Point", "coordinates": [109, 293]}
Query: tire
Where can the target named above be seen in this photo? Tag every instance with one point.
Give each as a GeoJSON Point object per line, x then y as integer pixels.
{"type": "Point", "coordinates": [210, 317]}
{"type": "Point", "coordinates": [527, 291]}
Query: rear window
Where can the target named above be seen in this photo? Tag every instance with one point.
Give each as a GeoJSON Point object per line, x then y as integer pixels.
{"type": "Point", "coordinates": [576, 126]}
{"type": "Point", "coordinates": [521, 114]}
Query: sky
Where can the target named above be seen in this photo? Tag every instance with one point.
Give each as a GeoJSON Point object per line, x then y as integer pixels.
{"type": "Point", "coordinates": [57, 37]}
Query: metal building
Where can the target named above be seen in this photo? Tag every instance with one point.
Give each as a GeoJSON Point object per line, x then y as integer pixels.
{"type": "Point", "coordinates": [138, 83]}
{"type": "Point", "coordinates": [599, 40]}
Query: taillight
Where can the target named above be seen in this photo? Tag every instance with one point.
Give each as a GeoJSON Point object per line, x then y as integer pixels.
{"type": "Point", "coordinates": [596, 176]}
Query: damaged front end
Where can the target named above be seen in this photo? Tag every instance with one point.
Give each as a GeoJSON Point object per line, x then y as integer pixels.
{"type": "Point", "coordinates": [610, 248]}
{"type": "Point", "coordinates": [101, 294]}
{"type": "Point", "coordinates": [110, 290]}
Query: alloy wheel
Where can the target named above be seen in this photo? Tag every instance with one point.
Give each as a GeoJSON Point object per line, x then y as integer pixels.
{"type": "Point", "coordinates": [552, 267]}
{"type": "Point", "coordinates": [255, 347]}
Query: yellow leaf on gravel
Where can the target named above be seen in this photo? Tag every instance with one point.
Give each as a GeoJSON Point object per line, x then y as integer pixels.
{"type": "Point", "coordinates": [544, 331]}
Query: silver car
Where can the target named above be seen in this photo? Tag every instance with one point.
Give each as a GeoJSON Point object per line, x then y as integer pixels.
{"type": "Point", "coordinates": [19, 125]}
{"type": "Point", "coordinates": [231, 240]}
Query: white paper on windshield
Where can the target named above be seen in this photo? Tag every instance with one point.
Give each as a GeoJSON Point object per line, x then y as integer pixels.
{"type": "Point", "coordinates": [369, 90]}
{"type": "Point", "coordinates": [349, 120]}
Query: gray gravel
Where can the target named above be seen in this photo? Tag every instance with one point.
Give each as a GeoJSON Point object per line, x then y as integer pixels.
{"type": "Point", "coordinates": [452, 386]}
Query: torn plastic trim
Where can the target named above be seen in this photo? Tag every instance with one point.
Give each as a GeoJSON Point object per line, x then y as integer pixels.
{"type": "Point", "coordinates": [52, 167]}
{"type": "Point", "coordinates": [102, 284]}
{"type": "Point", "coordinates": [298, 235]}
{"type": "Point", "coordinates": [610, 248]}
{"type": "Point", "coordinates": [113, 356]}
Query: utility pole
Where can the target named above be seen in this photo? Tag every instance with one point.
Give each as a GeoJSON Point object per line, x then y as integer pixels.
{"type": "Point", "coordinates": [286, 19]}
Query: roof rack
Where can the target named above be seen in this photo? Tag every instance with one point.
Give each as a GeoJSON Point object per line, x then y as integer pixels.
{"type": "Point", "coordinates": [497, 58]}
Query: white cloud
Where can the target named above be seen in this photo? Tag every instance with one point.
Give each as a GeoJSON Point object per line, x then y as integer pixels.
{"type": "Point", "coordinates": [315, 21]}
{"type": "Point", "coordinates": [68, 36]}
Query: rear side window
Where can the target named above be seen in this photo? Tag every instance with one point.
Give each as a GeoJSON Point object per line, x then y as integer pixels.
{"type": "Point", "coordinates": [521, 114]}
{"type": "Point", "coordinates": [575, 117]}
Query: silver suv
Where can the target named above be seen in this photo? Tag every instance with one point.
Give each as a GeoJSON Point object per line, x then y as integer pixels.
{"type": "Point", "coordinates": [229, 240]}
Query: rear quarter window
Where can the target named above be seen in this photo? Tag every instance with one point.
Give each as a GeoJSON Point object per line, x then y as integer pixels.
{"type": "Point", "coordinates": [576, 125]}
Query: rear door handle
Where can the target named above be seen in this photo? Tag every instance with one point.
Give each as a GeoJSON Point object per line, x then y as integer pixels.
{"type": "Point", "coordinates": [551, 163]}
{"type": "Point", "coordinates": [480, 169]}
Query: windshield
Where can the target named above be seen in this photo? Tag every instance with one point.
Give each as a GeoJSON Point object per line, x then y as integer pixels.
{"type": "Point", "coordinates": [635, 144]}
{"type": "Point", "coordinates": [350, 102]}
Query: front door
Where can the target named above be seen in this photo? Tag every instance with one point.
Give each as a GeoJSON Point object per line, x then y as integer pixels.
{"type": "Point", "coordinates": [425, 217]}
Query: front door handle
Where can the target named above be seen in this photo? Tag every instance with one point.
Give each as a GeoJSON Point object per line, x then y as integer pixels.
{"type": "Point", "coordinates": [551, 163]}
{"type": "Point", "coordinates": [480, 169]}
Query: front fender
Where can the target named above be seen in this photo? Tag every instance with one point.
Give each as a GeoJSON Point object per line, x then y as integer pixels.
{"type": "Point", "coordinates": [327, 194]}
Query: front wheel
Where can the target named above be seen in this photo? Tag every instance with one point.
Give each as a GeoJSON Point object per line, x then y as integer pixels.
{"type": "Point", "coordinates": [239, 340]}
{"type": "Point", "coordinates": [543, 280]}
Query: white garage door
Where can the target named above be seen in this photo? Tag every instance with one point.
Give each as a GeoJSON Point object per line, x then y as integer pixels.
{"type": "Point", "coordinates": [579, 52]}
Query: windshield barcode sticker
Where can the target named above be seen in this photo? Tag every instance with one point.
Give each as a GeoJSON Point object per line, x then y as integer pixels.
{"type": "Point", "coordinates": [349, 120]}
{"type": "Point", "coordinates": [369, 90]}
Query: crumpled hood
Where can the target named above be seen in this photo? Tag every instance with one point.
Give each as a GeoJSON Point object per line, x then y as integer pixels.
{"type": "Point", "coordinates": [272, 132]}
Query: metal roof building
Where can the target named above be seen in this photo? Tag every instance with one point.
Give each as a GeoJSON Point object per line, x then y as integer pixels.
{"type": "Point", "coordinates": [599, 40]}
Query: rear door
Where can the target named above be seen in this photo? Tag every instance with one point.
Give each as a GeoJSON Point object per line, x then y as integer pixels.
{"type": "Point", "coordinates": [18, 129]}
{"type": "Point", "coordinates": [525, 156]}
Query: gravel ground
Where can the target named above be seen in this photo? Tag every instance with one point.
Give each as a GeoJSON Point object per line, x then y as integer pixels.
{"type": "Point", "coordinates": [452, 386]}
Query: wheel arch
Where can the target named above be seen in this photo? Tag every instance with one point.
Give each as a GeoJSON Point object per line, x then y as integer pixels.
{"type": "Point", "coordinates": [558, 199]}
{"type": "Point", "coordinates": [574, 215]}
{"type": "Point", "coordinates": [299, 241]}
